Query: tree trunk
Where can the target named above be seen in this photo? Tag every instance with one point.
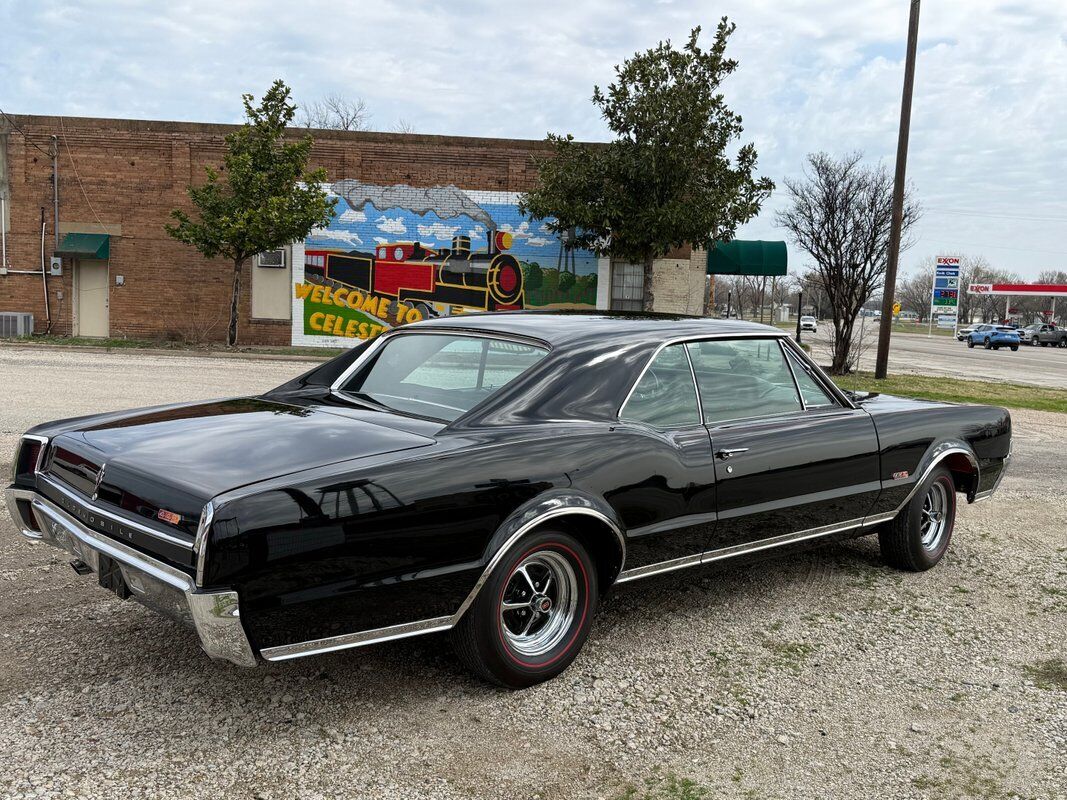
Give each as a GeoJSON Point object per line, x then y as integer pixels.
{"type": "Point", "coordinates": [649, 298]}
{"type": "Point", "coordinates": [231, 331]}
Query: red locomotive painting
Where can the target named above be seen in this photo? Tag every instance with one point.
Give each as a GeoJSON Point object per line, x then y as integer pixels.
{"type": "Point", "coordinates": [429, 278]}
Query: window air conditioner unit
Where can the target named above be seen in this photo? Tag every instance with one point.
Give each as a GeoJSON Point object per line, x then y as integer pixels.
{"type": "Point", "coordinates": [15, 323]}
{"type": "Point", "coordinates": [272, 259]}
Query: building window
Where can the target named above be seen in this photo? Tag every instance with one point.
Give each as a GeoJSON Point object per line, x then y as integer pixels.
{"type": "Point", "coordinates": [627, 286]}
{"type": "Point", "coordinates": [272, 259]}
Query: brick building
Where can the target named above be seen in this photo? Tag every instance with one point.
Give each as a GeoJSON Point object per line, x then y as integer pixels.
{"type": "Point", "coordinates": [120, 275]}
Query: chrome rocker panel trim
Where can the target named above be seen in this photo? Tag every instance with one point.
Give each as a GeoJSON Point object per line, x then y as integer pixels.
{"type": "Point", "coordinates": [163, 588]}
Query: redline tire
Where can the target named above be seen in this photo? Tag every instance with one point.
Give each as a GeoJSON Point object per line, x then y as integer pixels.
{"type": "Point", "coordinates": [496, 639]}
{"type": "Point", "coordinates": [908, 542]}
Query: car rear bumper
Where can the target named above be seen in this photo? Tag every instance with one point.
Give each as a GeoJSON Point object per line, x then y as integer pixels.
{"type": "Point", "coordinates": [214, 615]}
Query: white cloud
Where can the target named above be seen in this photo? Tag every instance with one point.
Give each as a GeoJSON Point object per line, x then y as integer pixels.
{"type": "Point", "coordinates": [351, 216]}
{"type": "Point", "coordinates": [477, 232]}
{"type": "Point", "coordinates": [381, 240]}
{"type": "Point", "coordinates": [335, 235]}
{"type": "Point", "coordinates": [393, 225]}
{"type": "Point", "coordinates": [437, 230]}
{"type": "Point", "coordinates": [520, 232]}
{"type": "Point", "coordinates": [539, 241]}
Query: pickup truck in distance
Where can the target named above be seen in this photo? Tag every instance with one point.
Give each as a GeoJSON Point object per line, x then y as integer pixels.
{"type": "Point", "coordinates": [1049, 336]}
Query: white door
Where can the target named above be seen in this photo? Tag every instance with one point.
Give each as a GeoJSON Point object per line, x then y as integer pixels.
{"type": "Point", "coordinates": [92, 299]}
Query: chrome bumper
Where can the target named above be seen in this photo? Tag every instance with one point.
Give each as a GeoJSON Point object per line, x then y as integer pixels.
{"type": "Point", "coordinates": [214, 615]}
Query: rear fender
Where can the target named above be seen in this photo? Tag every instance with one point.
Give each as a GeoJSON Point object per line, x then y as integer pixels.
{"type": "Point", "coordinates": [580, 512]}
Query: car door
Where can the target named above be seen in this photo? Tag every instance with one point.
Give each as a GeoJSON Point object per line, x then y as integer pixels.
{"type": "Point", "coordinates": [664, 489]}
{"type": "Point", "coordinates": [792, 459]}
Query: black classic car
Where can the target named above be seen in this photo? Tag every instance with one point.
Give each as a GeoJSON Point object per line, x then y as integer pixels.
{"type": "Point", "coordinates": [493, 475]}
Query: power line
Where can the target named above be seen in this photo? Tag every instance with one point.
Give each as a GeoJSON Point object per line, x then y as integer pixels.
{"type": "Point", "coordinates": [25, 135]}
{"type": "Point", "coordinates": [992, 215]}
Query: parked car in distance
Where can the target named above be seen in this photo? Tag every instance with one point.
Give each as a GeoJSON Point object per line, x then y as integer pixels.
{"type": "Point", "coordinates": [492, 476]}
{"type": "Point", "coordinates": [808, 323]}
{"type": "Point", "coordinates": [963, 333]}
{"type": "Point", "coordinates": [993, 337]}
{"type": "Point", "coordinates": [1049, 336]}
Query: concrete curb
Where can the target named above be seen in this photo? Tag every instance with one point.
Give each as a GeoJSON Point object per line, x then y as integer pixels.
{"type": "Point", "coordinates": [160, 351]}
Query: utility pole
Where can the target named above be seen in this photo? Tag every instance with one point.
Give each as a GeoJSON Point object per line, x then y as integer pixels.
{"type": "Point", "coordinates": [881, 363]}
{"type": "Point", "coordinates": [800, 306]}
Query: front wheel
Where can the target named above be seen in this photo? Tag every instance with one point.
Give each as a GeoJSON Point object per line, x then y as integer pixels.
{"type": "Point", "coordinates": [533, 614]}
{"type": "Point", "coordinates": [1014, 347]}
{"type": "Point", "coordinates": [970, 343]}
{"type": "Point", "coordinates": [919, 535]}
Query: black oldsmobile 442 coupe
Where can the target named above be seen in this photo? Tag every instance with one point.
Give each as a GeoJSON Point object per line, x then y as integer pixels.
{"type": "Point", "coordinates": [493, 476]}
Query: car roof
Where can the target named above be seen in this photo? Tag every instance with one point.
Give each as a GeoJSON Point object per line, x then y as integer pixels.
{"type": "Point", "coordinates": [564, 327]}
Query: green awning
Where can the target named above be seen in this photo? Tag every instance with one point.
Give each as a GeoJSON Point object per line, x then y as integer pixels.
{"type": "Point", "coordinates": [85, 245]}
{"type": "Point", "coordinates": [747, 258]}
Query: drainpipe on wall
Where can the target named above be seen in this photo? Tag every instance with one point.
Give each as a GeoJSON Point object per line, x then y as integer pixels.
{"type": "Point", "coordinates": [44, 281]}
{"type": "Point", "coordinates": [55, 187]}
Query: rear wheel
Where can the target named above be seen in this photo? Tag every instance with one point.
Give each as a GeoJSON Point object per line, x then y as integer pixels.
{"type": "Point", "coordinates": [919, 536]}
{"type": "Point", "coordinates": [1014, 347]}
{"type": "Point", "coordinates": [988, 343]}
{"type": "Point", "coordinates": [533, 615]}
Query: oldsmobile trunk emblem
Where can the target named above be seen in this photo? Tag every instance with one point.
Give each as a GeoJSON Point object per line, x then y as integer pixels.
{"type": "Point", "coordinates": [99, 480]}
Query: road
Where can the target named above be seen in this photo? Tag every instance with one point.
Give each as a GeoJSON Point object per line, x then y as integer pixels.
{"type": "Point", "coordinates": [818, 674]}
{"type": "Point", "coordinates": [943, 355]}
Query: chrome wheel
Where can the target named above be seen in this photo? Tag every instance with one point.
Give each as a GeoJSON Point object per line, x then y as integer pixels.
{"type": "Point", "coordinates": [933, 519]}
{"type": "Point", "coordinates": [538, 604]}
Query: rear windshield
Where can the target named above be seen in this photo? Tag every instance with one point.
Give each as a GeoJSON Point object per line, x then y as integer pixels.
{"type": "Point", "coordinates": [441, 376]}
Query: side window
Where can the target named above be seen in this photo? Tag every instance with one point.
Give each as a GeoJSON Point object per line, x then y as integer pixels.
{"type": "Point", "coordinates": [740, 378]}
{"type": "Point", "coordinates": [810, 389]}
{"type": "Point", "coordinates": [665, 396]}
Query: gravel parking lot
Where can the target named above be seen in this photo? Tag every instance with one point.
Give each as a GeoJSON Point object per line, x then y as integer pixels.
{"type": "Point", "coordinates": [823, 674]}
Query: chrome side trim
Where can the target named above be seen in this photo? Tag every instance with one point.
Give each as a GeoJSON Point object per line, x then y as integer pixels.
{"type": "Point", "coordinates": [738, 550]}
{"type": "Point", "coordinates": [214, 615]}
{"type": "Point", "coordinates": [525, 528]}
{"type": "Point", "coordinates": [316, 647]}
{"type": "Point", "coordinates": [660, 566]}
{"type": "Point", "coordinates": [203, 528]}
{"type": "Point", "coordinates": [130, 523]}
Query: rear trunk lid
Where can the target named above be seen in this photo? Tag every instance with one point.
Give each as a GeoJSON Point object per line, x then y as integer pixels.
{"type": "Point", "coordinates": [158, 469]}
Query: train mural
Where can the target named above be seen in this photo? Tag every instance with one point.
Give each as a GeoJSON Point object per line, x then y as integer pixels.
{"type": "Point", "coordinates": [395, 254]}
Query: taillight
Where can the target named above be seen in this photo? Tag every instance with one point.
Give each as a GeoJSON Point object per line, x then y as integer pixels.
{"type": "Point", "coordinates": [28, 458]}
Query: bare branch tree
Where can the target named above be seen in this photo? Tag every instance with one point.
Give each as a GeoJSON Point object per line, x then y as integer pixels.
{"type": "Point", "coordinates": [403, 126]}
{"type": "Point", "coordinates": [914, 291]}
{"type": "Point", "coordinates": [840, 215]}
{"type": "Point", "coordinates": [336, 112]}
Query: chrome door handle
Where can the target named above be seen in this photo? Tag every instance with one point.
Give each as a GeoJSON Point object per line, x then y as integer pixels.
{"type": "Point", "coordinates": [730, 452]}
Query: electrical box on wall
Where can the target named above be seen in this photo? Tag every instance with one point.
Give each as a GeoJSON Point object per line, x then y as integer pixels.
{"type": "Point", "coordinates": [55, 266]}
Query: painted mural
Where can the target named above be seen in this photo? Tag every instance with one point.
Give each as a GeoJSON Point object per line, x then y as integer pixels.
{"type": "Point", "coordinates": [397, 254]}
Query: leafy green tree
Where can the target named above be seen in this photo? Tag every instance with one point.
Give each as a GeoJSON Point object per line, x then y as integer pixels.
{"type": "Point", "coordinates": [666, 180]}
{"type": "Point", "coordinates": [566, 281]}
{"type": "Point", "coordinates": [263, 198]}
{"type": "Point", "coordinates": [534, 277]}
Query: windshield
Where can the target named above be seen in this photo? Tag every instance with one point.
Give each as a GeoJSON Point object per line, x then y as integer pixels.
{"type": "Point", "coordinates": [442, 376]}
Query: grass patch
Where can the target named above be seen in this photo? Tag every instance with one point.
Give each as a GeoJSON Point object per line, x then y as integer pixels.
{"type": "Point", "coordinates": [925, 387]}
{"type": "Point", "coordinates": [790, 655]}
{"type": "Point", "coordinates": [665, 787]}
{"type": "Point", "coordinates": [1050, 674]}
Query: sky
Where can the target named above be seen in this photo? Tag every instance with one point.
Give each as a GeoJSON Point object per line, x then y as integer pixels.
{"type": "Point", "coordinates": [988, 155]}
